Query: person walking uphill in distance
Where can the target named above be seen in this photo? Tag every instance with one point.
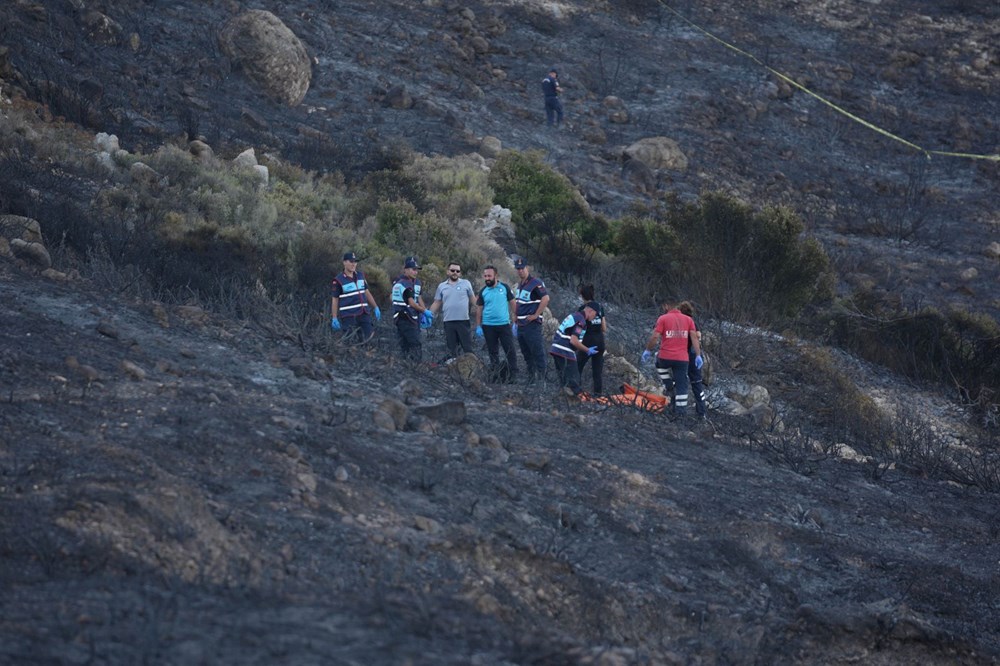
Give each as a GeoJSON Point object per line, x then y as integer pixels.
{"type": "Point", "coordinates": [532, 299]}
{"type": "Point", "coordinates": [553, 105]}
{"type": "Point", "coordinates": [494, 319]}
{"type": "Point", "coordinates": [694, 369]}
{"type": "Point", "coordinates": [351, 302]}
{"type": "Point", "coordinates": [673, 330]}
{"type": "Point", "coordinates": [408, 311]}
{"type": "Point", "coordinates": [566, 344]}
{"type": "Point", "coordinates": [454, 297]}
{"type": "Point", "coordinates": [594, 337]}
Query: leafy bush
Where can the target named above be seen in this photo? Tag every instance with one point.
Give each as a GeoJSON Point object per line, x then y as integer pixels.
{"type": "Point", "coordinates": [550, 216]}
{"type": "Point", "coordinates": [456, 187]}
{"type": "Point", "coordinates": [745, 264]}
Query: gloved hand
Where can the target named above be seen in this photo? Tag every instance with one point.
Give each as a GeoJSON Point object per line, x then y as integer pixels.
{"type": "Point", "coordinates": [698, 361]}
{"type": "Point", "coordinates": [479, 331]}
{"type": "Point", "coordinates": [335, 323]}
{"type": "Point", "coordinates": [513, 329]}
{"type": "Point", "coordinates": [591, 351]}
{"type": "Point", "coordinates": [646, 355]}
{"type": "Point", "coordinates": [427, 319]}
{"type": "Point", "coordinates": [378, 314]}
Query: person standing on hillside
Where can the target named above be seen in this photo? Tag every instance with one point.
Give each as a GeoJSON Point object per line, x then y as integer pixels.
{"type": "Point", "coordinates": [454, 298]}
{"type": "Point", "coordinates": [494, 318]}
{"type": "Point", "coordinates": [532, 299]}
{"type": "Point", "coordinates": [408, 311]}
{"type": "Point", "coordinates": [593, 337]}
{"type": "Point", "coordinates": [351, 301]}
{"type": "Point", "coordinates": [694, 368]}
{"type": "Point", "coordinates": [567, 343]}
{"type": "Point", "coordinates": [673, 330]}
{"type": "Point", "coordinates": [553, 105]}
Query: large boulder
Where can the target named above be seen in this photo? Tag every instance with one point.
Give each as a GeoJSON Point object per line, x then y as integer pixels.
{"type": "Point", "coordinates": [658, 152]}
{"type": "Point", "coordinates": [270, 54]}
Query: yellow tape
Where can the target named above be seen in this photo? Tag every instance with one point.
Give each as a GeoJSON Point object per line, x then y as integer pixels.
{"type": "Point", "coordinates": [790, 81]}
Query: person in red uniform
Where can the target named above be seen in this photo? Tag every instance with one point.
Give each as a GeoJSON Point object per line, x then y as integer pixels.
{"type": "Point", "coordinates": [673, 332]}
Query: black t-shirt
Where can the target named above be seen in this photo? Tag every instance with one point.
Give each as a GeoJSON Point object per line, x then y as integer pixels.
{"type": "Point", "coordinates": [594, 336]}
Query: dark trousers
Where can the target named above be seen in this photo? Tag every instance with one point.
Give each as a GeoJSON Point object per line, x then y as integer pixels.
{"type": "Point", "coordinates": [674, 375]}
{"type": "Point", "coordinates": [496, 336]}
{"type": "Point", "coordinates": [553, 109]}
{"type": "Point", "coordinates": [457, 333]}
{"type": "Point", "coordinates": [408, 334]}
{"type": "Point", "coordinates": [596, 367]}
{"type": "Point", "coordinates": [356, 329]}
{"type": "Point", "coordinates": [529, 337]}
{"type": "Point", "coordinates": [569, 375]}
{"type": "Point", "coordinates": [697, 386]}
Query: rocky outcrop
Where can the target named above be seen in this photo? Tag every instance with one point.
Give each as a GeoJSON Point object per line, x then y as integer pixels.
{"type": "Point", "coordinates": [658, 152]}
{"type": "Point", "coordinates": [270, 54]}
{"type": "Point", "coordinates": [21, 237]}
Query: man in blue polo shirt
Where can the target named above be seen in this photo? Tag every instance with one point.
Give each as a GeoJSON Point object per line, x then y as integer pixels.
{"type": "Point", "coordinates": [496, 314]}
{"type": "Point", "coordinates": [532, 299]}
{"type": "Point", "coordinates": [351, 302]}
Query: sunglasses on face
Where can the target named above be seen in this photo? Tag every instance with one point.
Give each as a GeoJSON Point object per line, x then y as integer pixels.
{"type": "Point", "coordinates": [454, 270]}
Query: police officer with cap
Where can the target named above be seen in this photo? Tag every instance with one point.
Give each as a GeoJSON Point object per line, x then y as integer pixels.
{"type": "Point", "coordinates": [352, 304]}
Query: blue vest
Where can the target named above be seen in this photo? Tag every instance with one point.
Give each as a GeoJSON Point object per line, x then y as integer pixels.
{"type": "Point", "coordinates": [352, 300]}
{"type": "Point", "coordinates": [399, 306]}
{"type": "Point", "coordinates": [529, 297]}
{"type": "Point", "coordinates": [574, 324]}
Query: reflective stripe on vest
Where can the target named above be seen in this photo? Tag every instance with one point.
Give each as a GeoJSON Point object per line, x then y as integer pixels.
{"type": "Point", "coordinates": [562, 345]}
{"type": "Point", "coordinates": [353, 292]}
{"type": "Point", "coordinates": [399, 306]}
{"type": "Point", "coordinates": [526, 306]}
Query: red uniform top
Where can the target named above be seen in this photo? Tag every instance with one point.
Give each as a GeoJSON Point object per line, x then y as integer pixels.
{"type": "Point", "coordinates": [674, 328]}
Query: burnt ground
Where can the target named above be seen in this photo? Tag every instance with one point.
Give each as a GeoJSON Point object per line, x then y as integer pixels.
{"type": "Point", "coordinates": [228, 497]}
{"type": "Point", "coordinates": [926, 70]}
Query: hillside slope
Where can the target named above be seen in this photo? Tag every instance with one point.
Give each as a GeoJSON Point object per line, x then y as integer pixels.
{"type": "Point", "coordinates": [189, 489]}
{"type": "Point", "coordinates": [439, 76]}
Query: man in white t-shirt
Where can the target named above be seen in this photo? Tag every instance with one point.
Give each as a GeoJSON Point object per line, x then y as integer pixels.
{"type": "Point", "coordinates": [455, 298]}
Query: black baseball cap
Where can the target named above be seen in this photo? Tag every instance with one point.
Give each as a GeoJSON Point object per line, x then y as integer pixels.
{"type": "Point", "coordinates": [411, 262]}
{"type": "Point", "coordinates": [350, 256]}
{"type": "Point", "coordinates": [520, 263]}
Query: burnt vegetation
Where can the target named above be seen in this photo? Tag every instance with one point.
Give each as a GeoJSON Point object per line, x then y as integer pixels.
{"type": "Point", "coordinates": [205, 458]}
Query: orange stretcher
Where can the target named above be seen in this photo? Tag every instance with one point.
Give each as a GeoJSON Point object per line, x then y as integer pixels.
{"type": "Point", "coordinates": [631, 397]}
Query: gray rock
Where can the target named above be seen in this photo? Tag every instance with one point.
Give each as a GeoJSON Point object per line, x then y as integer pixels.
{"type": "Point", "coordinates": [451, 412]}
{"type": "Point", "coordinates": [32, 252]}
{"type": "Point", "coordinates": [398, 411]}
{"type": "Point", "coordinates": [271, 55]}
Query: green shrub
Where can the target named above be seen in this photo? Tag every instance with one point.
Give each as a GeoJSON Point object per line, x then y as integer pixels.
{"type": "Point", "coordinates": [456, 187]}
{"type": "Point", "coordinates": [745, 264]}
{"type": "Point", "coordinates": [550, 216]}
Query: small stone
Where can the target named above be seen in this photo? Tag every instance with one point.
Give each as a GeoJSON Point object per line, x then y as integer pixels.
{"type": "Point", "coordinates": [133, 371]}
{"type": "Point", "coordinates": [341, 474]}
{"type": "Point", "coordinates": [104, 327]}
{"type": "Point", "coordinates": [425, 524]}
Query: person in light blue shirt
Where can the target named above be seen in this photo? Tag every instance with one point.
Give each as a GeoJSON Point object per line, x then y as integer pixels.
{"type": "Point", "coordinates": [494, 319]}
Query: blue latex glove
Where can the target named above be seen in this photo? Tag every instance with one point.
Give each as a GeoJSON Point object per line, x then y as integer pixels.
{"type": "Point", "coordinates": [514, 329]}
{"type": "Point", "coordinates": [427, 319]}
{"type": "Point", "coordinates": [646, 355]}
{"type": "Point", "coordinates": [698, 361]}
{"type": "Point", "coordinates": [378, 314]}
{"type": "Point", "coordinates": [479, 331]}
{"type": "Point", "coordinates": [335, 324]}
{"type": "Point", "coordinates": [591, 351]}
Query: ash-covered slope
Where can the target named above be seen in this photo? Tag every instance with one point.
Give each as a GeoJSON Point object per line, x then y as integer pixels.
{"type": "Point", "coordinates": [439, 76]}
